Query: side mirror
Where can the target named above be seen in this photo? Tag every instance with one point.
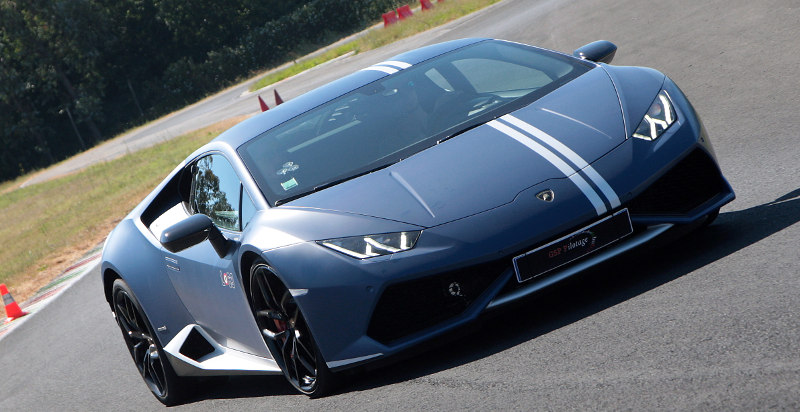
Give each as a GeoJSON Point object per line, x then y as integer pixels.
{"type": "Point", "coordinates": [601, 51]}
{"type": "Point", "coordinates": [192, 231]}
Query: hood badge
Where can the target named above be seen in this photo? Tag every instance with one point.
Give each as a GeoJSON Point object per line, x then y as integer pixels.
{"type": "Point", "coordinates": [546, 195]}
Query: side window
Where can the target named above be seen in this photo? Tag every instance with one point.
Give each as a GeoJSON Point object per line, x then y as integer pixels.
{"type": "Point", "coordinates": [216, 191]}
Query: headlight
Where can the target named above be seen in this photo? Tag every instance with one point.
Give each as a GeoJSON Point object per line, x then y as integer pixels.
{"type": "Point", "coordinates": [364, 247]}
{"type": "Point", "coordinates": [659, 117]}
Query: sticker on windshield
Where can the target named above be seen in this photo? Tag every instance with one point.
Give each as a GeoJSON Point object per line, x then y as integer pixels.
{"type": "Point", "coordinates": [289, 184]}
{"type": "Point", "coordinates": [287, 167]}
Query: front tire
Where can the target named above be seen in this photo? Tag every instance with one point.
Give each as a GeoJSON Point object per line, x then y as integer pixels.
{"type": "Point", "coordinates": [146, 351]}
{"type": "Point", "coordinates": [286, 333]}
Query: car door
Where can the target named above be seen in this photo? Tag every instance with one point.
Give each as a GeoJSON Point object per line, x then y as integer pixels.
{"type": "Point", "coordinates": [207, 283]}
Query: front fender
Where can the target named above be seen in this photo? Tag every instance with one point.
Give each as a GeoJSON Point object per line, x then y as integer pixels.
{"type": "Point", "coordinates": [130, 255]}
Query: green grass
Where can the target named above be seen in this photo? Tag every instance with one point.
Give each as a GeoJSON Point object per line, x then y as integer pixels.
{"type": "Point", "coordinates": [39, 221]}
{"type": "Point", "coordinates": [10, 185]}
{"type": "Point", "coordinates": [420, 22]}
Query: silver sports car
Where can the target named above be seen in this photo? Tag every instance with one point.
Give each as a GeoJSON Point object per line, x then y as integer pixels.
{"type": "Point", "coordinates": [398, 203]}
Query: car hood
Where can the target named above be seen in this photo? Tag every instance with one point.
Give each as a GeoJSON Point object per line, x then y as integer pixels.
{"type": "Point", "coordinates": [486, 166]}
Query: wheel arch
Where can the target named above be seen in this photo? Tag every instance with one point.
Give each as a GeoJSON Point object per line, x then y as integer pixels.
{"type": "Point", "coordinates": [245, 263]}
{"type": "Point", "coordinates": [109, 276]}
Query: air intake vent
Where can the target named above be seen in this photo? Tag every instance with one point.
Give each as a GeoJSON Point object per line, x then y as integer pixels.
{"type": "Point", "coordinates": [692, 182]}
{"type": "Point", "coordinates": [409, 307]}
{"type": "Point", "coordinates": [196, 346]}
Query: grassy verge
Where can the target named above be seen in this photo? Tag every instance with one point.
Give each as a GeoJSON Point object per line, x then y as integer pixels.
{"type": "Point", "coordinates": [43, 225]}
{"type": "Point", "coordinates": [301, 66]}
{"type": "Point", "coordinates": [421, 21]}
{"type": "Point", "coordinates": [10, 185]}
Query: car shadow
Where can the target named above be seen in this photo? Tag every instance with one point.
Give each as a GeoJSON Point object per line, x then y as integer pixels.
{"type": "Point", "coordinates": [579, 297]}
{"type": "Point", "coordinates": [238, 387]}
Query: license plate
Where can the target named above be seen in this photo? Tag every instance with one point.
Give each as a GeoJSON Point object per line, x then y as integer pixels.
{"type": "Point", "coordinates": [573, 246]}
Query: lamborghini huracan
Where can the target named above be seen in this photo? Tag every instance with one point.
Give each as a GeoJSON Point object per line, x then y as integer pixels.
{"type": "Point", "coordinates": [398, 203]}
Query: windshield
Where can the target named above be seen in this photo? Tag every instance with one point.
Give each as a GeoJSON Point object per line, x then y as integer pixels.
{"type": "Point", "coordinates": [402, 114]}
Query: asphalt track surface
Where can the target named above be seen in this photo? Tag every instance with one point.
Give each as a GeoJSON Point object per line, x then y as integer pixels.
{"type": "Point", "coordinates": [706, 323]}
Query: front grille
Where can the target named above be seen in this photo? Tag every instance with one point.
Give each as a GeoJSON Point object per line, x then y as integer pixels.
{"type": "Point", "coordinates": [692, 182]}
{"type": "Point", "coordinates": [408, 307]}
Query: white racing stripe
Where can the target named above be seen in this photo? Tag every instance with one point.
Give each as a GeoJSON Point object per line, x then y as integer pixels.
{"type": "Point", "coordinates": [395, 63]}
{"type": "Point", "coordinates": [573, 157]}
{"type": "Point", "coordinates": [388, 70]}
{"type": "Point", "coordinates": [390, 67]}
{"type": "Point", "coordinates": [556, 161]}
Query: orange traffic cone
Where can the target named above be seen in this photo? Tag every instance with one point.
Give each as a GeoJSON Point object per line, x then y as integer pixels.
{"type": "Point", "coordinates": [12, 309]}
{"type": "Point", "coordinates": [278, 100]}
{"type": "Point", "coordinates": [263, 104]}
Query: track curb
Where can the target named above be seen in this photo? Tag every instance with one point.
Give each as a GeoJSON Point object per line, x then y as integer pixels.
{"type": "Point", "coordinates": [49, 292]}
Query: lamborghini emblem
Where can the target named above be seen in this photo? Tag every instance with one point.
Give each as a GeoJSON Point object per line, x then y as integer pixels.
{"type": "Point", "coordinates": [546, 195]}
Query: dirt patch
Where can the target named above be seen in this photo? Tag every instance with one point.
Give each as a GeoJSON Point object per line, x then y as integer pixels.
{"type": "Point", "coordinates": [51, 267]}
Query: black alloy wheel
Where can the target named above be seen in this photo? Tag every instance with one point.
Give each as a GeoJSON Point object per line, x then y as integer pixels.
{"type": "Point", "coordinates": [286, 333]}
{"type": "Point", "coordinates": [147, 354]}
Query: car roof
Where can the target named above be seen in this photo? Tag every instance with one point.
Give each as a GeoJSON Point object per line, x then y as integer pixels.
{"type": "Point", "coordinates": [246, 130]}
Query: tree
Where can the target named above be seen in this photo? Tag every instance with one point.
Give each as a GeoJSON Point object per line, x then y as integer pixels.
{"type": "Point", "coordinates": [51, 53]}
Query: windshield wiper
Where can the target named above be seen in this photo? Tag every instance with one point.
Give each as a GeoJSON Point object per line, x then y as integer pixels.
{"type": "Point", "coordinates": [464, 130]}
{"type": "Point", "coordinates": [331, 183]}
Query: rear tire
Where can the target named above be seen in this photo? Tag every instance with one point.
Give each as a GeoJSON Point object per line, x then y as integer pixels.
{"type": "Point", "coordinates": [287, 334]}
{"type": "Point", "coordinates": [146, 351]}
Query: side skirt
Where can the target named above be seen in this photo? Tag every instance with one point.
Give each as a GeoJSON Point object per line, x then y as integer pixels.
{"type": "Point", "coordinates": [192, 352]}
